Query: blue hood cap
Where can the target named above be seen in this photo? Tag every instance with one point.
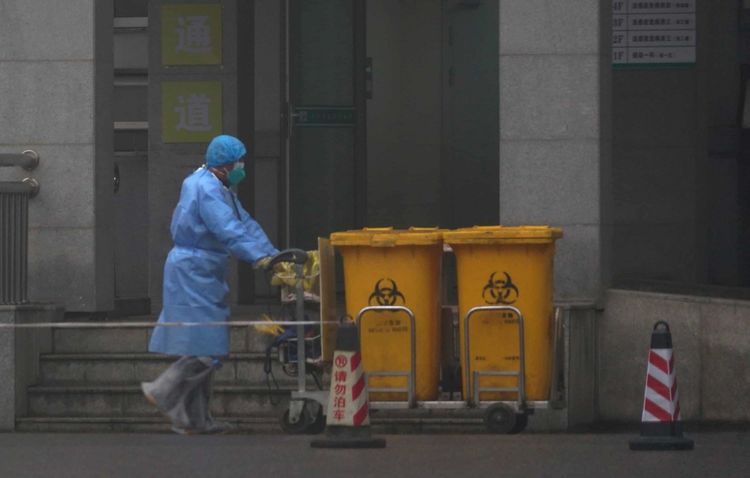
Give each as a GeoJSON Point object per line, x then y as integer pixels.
{"type": "Point", "coordinates": [224, 149]}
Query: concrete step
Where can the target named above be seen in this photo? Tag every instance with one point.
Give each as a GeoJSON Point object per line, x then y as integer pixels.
{"type": "Point", "coordinates": [265, 419]}
{"type": "Point", "coordinates": [128, 401]}
{"type": "Point", "coordinates": [99, 368]}
{"type": "Point", "coordinates": [128, 340]}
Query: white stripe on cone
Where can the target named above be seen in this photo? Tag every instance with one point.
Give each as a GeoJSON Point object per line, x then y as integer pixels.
{"type": "Point", "coordinates": [347, 402]}
{"type": "Point", "coordinates": [661, 400]}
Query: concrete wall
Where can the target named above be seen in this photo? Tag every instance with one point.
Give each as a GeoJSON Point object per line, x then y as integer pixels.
{"type": "Point", "coordinates": [674, 167]}
{"type": "Point", "coordinates": [711, 340]}
{"type": "Point", "coordinates": [554, 131]}
{"type": "Point", "coordinates": [56, 81]}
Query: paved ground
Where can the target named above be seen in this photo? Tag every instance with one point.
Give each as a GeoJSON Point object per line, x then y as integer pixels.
{"type": "Point", "coordinates": [725, 454]}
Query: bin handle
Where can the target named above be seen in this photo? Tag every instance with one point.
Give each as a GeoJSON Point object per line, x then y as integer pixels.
{"type": "Point", "coordinates": [521, 352]}
{"type": "Point", "coordinates": [412, 379]}
{"type": "Point", "coordinates": [387, 240]}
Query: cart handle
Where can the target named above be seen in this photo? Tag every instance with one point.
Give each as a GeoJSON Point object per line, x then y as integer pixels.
{"type": "Point", "coordinates": [297, 256]}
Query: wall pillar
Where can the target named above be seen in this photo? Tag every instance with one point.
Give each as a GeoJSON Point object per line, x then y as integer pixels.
{"type": "Point", "coordinates": [555, 137]}
{"type": "Point", "coordinates": [55, 81]}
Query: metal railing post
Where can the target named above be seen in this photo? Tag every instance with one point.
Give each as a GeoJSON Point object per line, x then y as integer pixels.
{"type": "Point", "coordinates": [14, 213]}
{"type": "Point", "coordinates": [27, 160]}
{"type": "Point", "coordinates": [14, 224]}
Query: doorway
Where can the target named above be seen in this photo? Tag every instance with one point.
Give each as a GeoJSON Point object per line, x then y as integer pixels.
{"type": "Point", "coordinates": [323, 163]}
{"type": "Point", "coordinates": [390, 115]}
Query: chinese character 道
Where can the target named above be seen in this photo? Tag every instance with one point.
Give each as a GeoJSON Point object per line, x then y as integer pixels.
{"type": "Point", "coordinates": [193, 112]}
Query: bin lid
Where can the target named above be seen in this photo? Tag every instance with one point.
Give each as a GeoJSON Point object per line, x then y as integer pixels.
{"type": "Point", "coordinates": [388, 237]}
{"type": "Point", "coordinates": [503, 235]}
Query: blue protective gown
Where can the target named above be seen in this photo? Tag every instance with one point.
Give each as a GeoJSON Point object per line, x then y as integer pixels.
{"type": "Point", "coordinates": [208, 225]}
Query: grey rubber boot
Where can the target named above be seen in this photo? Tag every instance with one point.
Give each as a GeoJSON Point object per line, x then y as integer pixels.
{"type": "Point", "coordinates": [182, 393]}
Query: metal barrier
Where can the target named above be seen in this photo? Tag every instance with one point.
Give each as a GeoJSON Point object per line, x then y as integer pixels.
{"type": "Point", "coordinates": [14, 228]}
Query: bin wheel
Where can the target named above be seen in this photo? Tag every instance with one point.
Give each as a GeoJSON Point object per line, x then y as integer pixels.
{"type": "Point", "coordinates": [300, 426]}
{"type": "Point", "coordinates": [521, 421]}
{"type": "Point", "coordinates": [318, 424]}
{"type": "Point", "coordinates": [500, 418]}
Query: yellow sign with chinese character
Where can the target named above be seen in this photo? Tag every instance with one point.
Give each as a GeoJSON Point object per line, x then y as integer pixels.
{"type": "Point", "coordinates": [191, 34]}
{"type": "Point", "coordinates": [190, 111]}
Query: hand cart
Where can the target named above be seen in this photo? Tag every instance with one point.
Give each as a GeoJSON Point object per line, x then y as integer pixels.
{"type": "Point", "coordinates": [306, 407]}
{"type": "Point", "coordinates": [499, 416]}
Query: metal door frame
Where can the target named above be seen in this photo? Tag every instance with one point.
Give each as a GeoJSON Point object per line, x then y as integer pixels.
{"type": "Point", "coordinates": [360, 126]}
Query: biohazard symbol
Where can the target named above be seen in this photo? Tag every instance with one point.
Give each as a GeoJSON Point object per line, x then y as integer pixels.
{"type": "Point", "coordinates": [499, 291]}
{"type": "Point", "coordinates": [386, 293]}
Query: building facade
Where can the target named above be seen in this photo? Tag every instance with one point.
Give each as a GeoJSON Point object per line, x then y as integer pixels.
{"type": "Point", "coordinates": [399, 113]}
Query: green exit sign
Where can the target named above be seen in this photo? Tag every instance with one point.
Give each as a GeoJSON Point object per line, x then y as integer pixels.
{"type": "Point", "coordinates": [324, 116]}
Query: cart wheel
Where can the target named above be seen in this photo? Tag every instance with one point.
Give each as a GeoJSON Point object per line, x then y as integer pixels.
{"type": "Point", "coordinates": [500, 418]}
{"type": "Point", "coordinates": [295, 428]}
{"type": "Point", "coordinates": [318, 424]}
{"type": "Point", "coordinates": [521, 421]}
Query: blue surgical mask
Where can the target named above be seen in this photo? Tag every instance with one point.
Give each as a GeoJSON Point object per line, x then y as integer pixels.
{"type": "Point", "coordinates": [237, 174]}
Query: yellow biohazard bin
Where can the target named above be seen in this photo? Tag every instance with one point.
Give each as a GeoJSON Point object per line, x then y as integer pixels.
{"type": "Point", "coordinates": [499, 265]}
{"type": "Point", "coordinates": [383, 266]}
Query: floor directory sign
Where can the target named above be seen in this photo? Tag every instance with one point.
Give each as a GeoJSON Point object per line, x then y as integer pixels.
{"type": "Point", "coordinates": [653, 32]}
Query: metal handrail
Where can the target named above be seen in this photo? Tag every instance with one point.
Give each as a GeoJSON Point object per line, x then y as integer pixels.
{"type": "Point", "coordinates": [27, 160]}
{"type": "Point", "coordinates": [29, 186]}
{"type": "Point", "coordinates": [521, 351]}
{"type": "Point", "coordinates": [412, 374]}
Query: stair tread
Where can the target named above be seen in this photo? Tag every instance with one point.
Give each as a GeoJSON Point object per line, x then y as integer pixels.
{"type": "Point", "coordinates": [137, 356]}
{"type": "Point", "coordinates": [138, 419]}
{"type": "Point", "coordinates": [135, 388]}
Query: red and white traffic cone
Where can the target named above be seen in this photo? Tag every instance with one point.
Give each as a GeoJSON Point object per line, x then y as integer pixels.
{"type": "Point", "coordinates": [348, 415]}
{"type": "Point", "coordinates": [661, 428]}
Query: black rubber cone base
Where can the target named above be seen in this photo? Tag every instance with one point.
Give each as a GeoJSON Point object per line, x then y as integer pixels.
{"type": "Point", "coordinates": [348, 437]}
{"type": "Point", "coordinates": [661, 443]}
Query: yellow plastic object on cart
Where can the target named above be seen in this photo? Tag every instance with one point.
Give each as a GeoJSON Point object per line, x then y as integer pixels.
{"type": "Point", "coordinates": [499, 265]}
{"type": "Point", "coordinates": [284, 273]}
{"type": "Point", "coordinates": [383, 266]}
{"type": "Point", "coordinates": [269, 328]}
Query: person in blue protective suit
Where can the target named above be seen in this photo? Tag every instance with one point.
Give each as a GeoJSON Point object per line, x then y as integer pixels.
{"type": "Point", "coordinates": [208, 226]}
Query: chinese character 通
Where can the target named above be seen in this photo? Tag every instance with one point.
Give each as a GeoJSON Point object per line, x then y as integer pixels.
{"type": "Point", "coordinates": [193, 34]}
